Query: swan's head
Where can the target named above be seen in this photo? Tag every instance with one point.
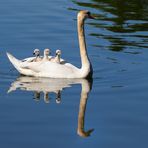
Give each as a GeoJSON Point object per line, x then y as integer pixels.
{"type": "Point", "coordinates": [36, 52]}
{"type": "Point", "coordinates": [58, 52]}
{"type": "Point", "coordinates": [84, 14]}
{"type": "Point", "coordinates": [46, 52]}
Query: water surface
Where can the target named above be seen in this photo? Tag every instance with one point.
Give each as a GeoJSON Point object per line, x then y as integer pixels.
{"type": "Point", "coordinates": [111, 111]}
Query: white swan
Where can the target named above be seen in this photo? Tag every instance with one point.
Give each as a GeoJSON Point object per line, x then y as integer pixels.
{"type": "Point", "coordinates": [55, 70]}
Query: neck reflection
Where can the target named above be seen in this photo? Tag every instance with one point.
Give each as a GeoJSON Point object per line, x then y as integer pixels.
{"type": "Point", "coordinates": [46, 85]}
{"type": "Point", "coordinates": [86, 87]}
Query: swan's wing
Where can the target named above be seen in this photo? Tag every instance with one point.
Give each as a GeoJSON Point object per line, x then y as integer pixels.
{"type": "Point", "coordinates": [53, 70]}
{"type": "Point", "coordinates": [30, 59]}
{"type": "Point", "coordinates": [62, 61]}
{"type": "Point", "coordinates": [33, 66]}
{"type": "Point", "coordinates": [70, 65]}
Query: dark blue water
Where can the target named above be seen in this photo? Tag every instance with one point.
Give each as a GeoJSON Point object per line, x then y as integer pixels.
{"type": "Point", "coordinates": [111, 114]}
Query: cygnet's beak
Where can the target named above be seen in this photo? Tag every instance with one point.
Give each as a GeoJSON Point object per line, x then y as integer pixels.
{"type": "Point", "coordinates": [33, 53]}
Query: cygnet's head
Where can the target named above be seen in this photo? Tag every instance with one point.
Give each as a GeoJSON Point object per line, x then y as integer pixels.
{"type": "Point", "coordinates": [84, 14]}
{"type": "Point", "coordinates": [46, 51]}
{"type": "Point", "coordinates": [58, 52]}
{"type": "Point", "coordinates": [36, 52]}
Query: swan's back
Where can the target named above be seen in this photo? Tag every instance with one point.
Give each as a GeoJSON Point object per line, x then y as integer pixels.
{"type": "Point", "coordinates": [53, 70]}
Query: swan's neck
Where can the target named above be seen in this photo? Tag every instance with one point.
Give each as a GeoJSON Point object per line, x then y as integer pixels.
{"type": "Point", "coordinates": [86, 68]}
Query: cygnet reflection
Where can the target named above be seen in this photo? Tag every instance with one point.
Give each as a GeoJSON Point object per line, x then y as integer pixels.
{"type": "Point", "coordinates": [37, 95]}
{"type": "Point", "coordinates": [41, 87]}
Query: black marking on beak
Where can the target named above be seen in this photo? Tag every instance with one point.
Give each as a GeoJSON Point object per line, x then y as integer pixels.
{"type": "Point", "coordinates": [91, 17]}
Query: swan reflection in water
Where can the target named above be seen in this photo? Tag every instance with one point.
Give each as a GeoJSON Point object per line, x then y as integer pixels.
{"type": "Point", "coordinates": [39, 85]}
{"type": "Point", "coordinates": [46, 85]}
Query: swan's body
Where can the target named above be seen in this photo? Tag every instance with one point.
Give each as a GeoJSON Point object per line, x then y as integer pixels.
{"type": "Point", "coordinates": [56, 70]}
